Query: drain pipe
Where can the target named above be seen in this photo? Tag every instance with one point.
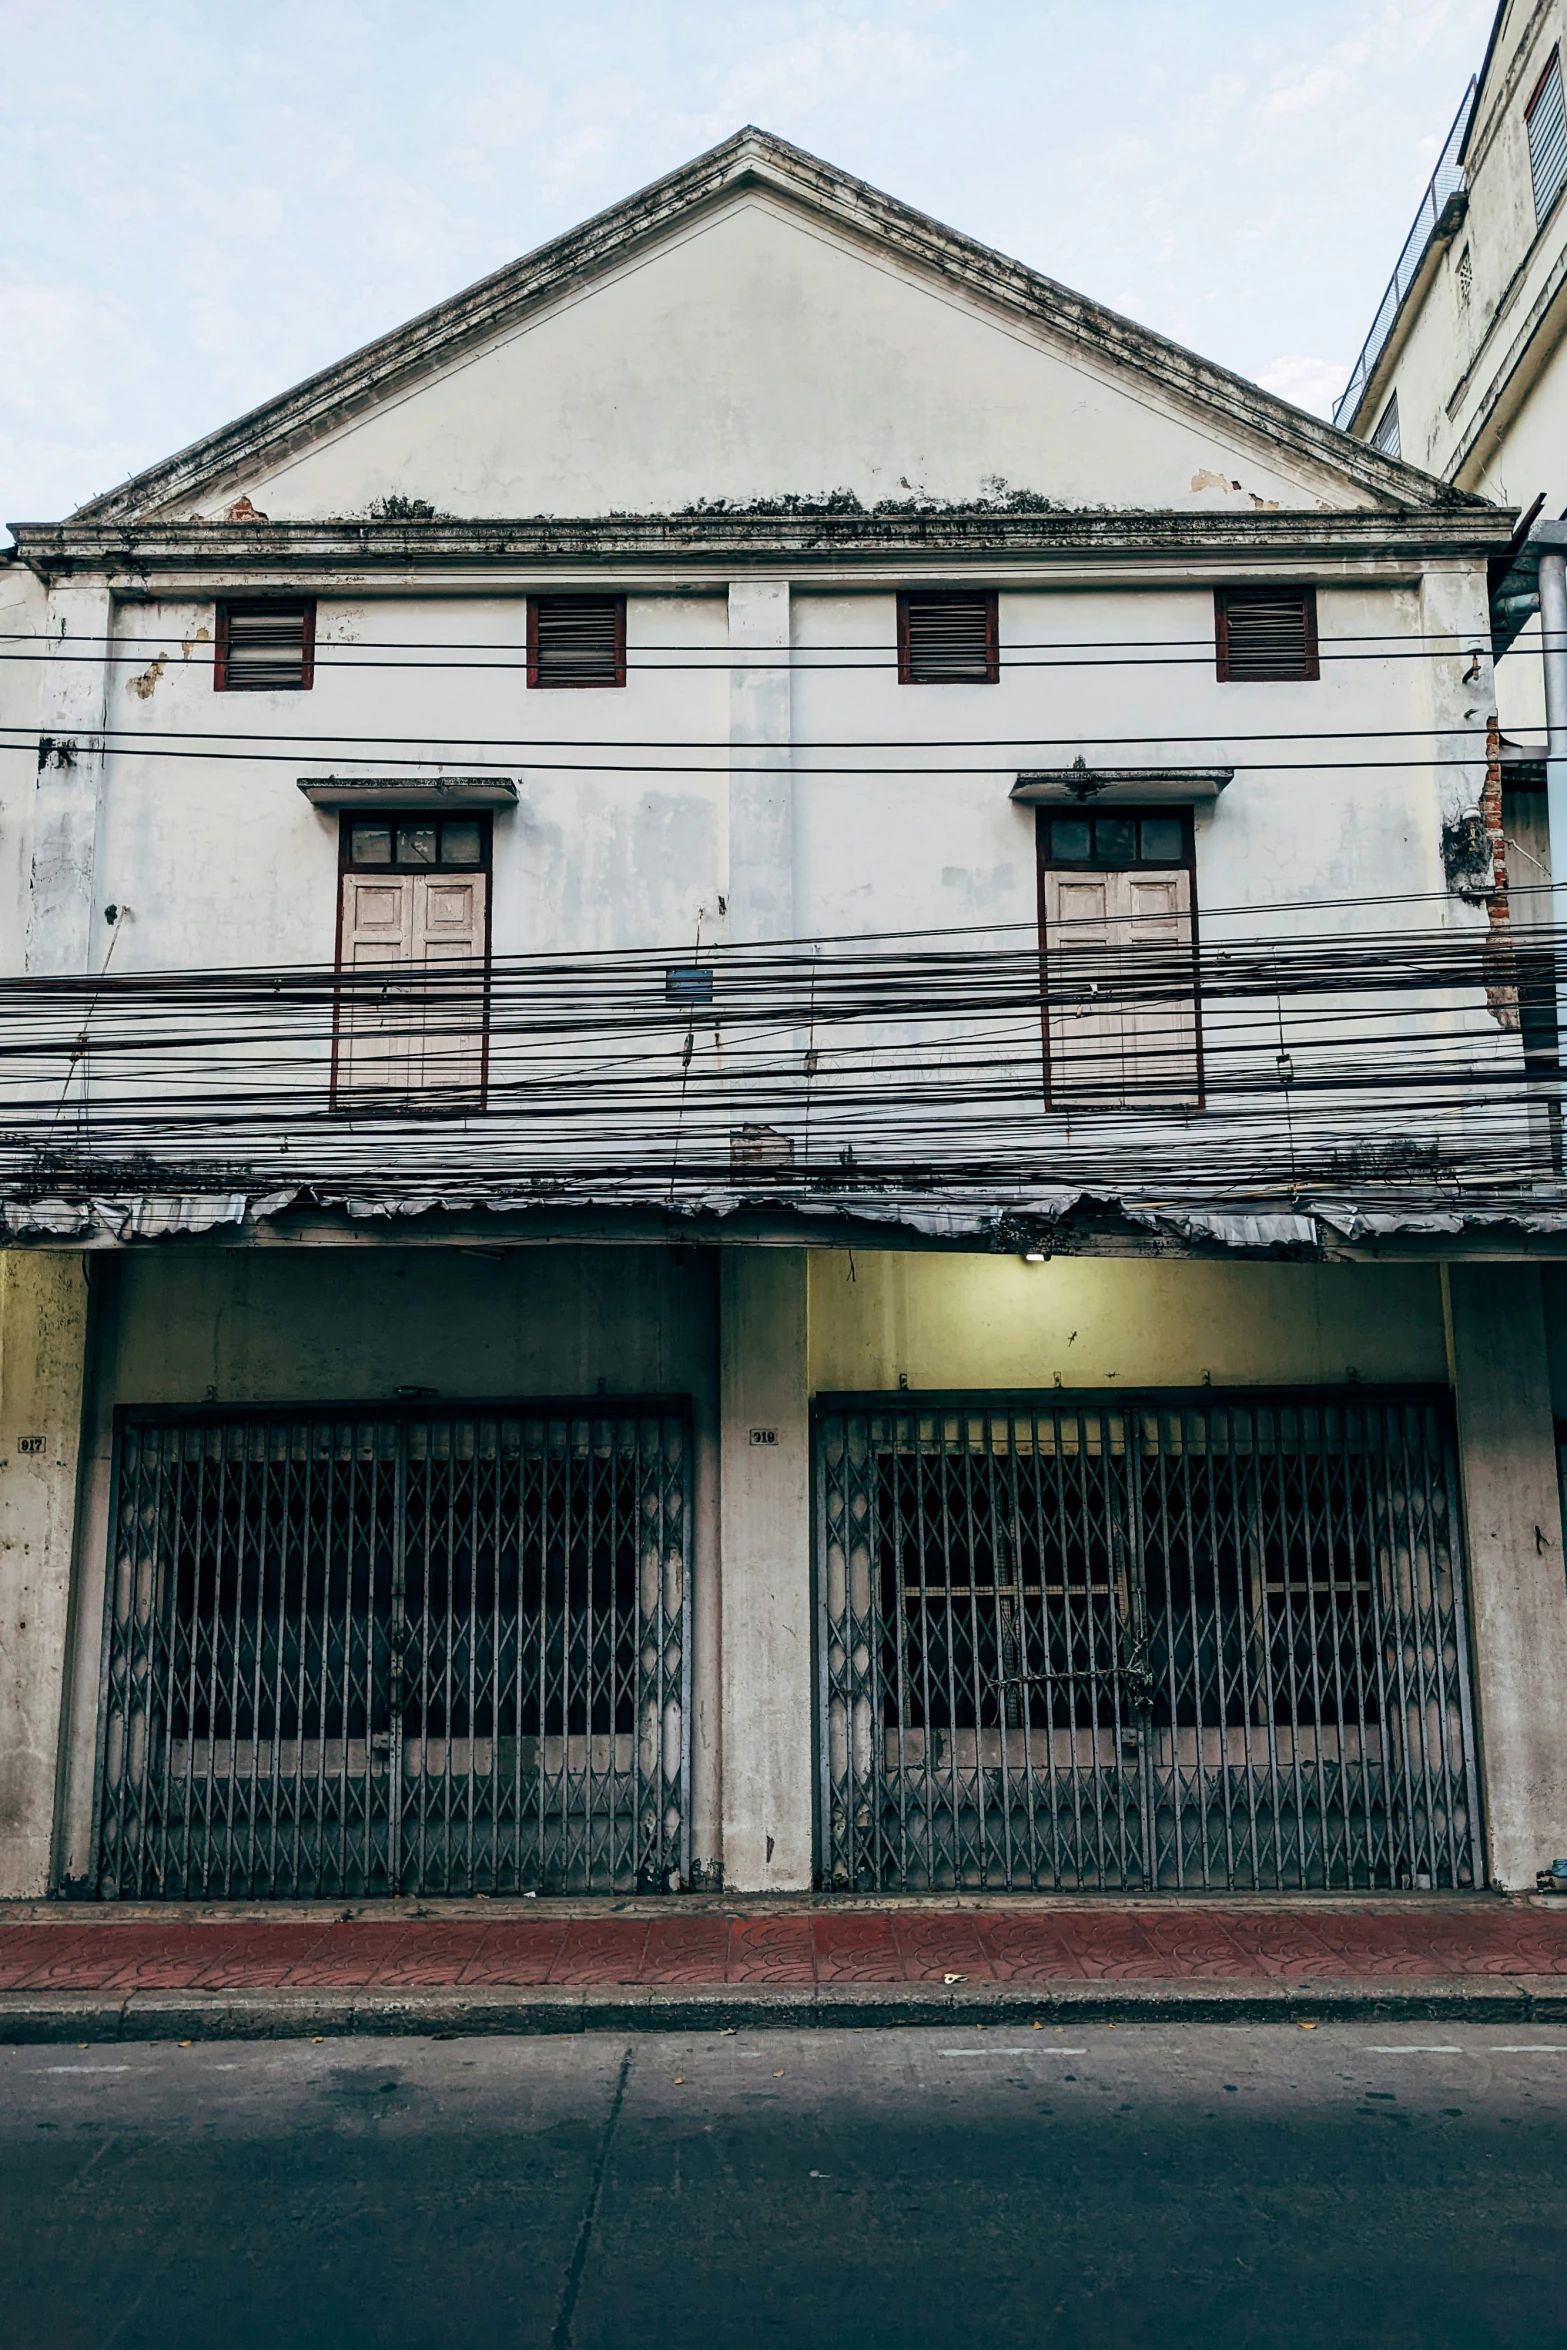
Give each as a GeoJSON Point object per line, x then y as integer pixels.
{"type": "Point", "coordinates": [1553, 643]}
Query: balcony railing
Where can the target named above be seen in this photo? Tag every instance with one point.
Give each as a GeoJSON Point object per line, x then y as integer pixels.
{"type": "Point", "coordinates": [1447, 177]}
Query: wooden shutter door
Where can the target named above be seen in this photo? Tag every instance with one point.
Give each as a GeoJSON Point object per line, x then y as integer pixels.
{"type": "Point", "coordinates": [376, 1038]}
{"type": "Point", "coordinates": [1107, 1052]}
{"type": "Point", "coordinates": [448, 931]}
{"type": "Point", "coordinates": [1160, 1039]}
{"type": "Point", "coordinates": [1085, 1032]}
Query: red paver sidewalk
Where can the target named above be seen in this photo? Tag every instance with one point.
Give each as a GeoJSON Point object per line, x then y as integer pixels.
{"type": "Point", "coordinates": [1389, 1942]}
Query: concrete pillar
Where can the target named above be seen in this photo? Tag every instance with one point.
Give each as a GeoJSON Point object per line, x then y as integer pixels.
{"type": "Point", "coordinates": [43, 1353]}
{"type": "Point", "coordinates": [707, 1694]}
{"type": "Point", "coordinates": [761, 787]}
{"type": "Point", "coordinates": [1517, 1586]}
{"type": "Point", "coordinates": [768, 1702]}
{"type": "Point", "coordinates": [72, 706]}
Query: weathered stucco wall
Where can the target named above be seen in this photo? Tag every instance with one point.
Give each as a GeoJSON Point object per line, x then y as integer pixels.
{"type": "Point", "coordinates": [1461, 361]}
{"type": "Point", "coordinates": [220, 861]}
{"type": "Point", "coordinates": [43, 1352]}
{"type": "Point", "coordinates": [759, 353]}
{"type": "Point", "coordinates": [949, 848]}
{"type": "Point", "coordinates": [23, 602]}
{"type": "Point", "coordinates": [1531, 454]}
{"type": "Point", "coordinates": [959, 1321]}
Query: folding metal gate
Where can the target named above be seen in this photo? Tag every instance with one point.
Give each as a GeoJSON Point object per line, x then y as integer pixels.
{"type": "Point", "coordinates": [1143, 1642]}
{"type": "Point", "coordinates": [432, 1651]}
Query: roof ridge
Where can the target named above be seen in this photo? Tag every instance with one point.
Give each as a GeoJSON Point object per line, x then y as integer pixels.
{"type": "Point", "coordinates": [295, 417]}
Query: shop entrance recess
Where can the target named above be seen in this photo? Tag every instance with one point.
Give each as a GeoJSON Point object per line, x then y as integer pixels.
{"type": "Point", "coordinates": [353, 1651]}
{"type": "Point", "coordinates": [1139, 1643]}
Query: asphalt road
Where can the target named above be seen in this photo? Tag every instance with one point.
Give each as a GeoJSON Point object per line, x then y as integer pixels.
{"type": "Point", "coordinates": [1161, 2185]}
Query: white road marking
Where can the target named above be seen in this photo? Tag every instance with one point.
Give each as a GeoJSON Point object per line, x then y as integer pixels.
{"type": "Point", "coordinates": [1417, 2048]}
{"type": "Point", "coordinates": [1525, 2048]}
{"type": "Point", "coordinates": [1026, 2051]}
{"type": "Point", "coordinates": [84, 2068]}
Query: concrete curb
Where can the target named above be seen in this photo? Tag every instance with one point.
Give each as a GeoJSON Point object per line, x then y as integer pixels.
{"type": "Point", "coordinates": [31, 2018]}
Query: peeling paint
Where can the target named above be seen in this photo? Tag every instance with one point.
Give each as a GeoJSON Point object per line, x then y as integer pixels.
{"type": "Point", "coordinates": [145, 685]}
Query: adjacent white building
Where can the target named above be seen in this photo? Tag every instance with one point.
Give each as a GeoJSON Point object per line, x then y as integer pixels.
{"type": "Point", "coordinates": [1464, 370]}
{"type": "Point", "coordinates": [767, 1121]}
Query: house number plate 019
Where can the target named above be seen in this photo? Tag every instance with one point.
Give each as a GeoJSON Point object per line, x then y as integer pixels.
{"type": "Point", "coordinates": [764, 1436]}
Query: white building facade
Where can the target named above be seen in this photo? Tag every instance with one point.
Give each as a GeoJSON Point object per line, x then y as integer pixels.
{"type": "Point", "coordinates": [767, 1121]}
{"type": "Point", "coordinates": [1464, 370]}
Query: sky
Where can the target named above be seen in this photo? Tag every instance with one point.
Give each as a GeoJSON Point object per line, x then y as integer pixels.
{"type": "Point", "coordinates": [199, 205]}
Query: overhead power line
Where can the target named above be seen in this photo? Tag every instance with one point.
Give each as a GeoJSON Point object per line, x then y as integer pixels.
{"type": "Point", "coordinates": [149, 737]}
{"type": "Point", "coordinates": [1444, 643]}
{"type": "Point", "coordinates": [440, 754]}
{"type": "Point", "coordinates": [1413, 1067]}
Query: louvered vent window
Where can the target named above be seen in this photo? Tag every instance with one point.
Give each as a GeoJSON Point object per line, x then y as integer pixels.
{"type": "Point", "coordinates": [947, 639]}
{"type": "Point", "coordinates": [1266, 635]}
{"type": "Point", "coordinates": [265, 647]}
{"type": "Point", "coordinates": [577, 640]}
{"type": "Point", "coordinates": [1547, 120]}
{"type": "Point", "coordinates": [1385, 437]}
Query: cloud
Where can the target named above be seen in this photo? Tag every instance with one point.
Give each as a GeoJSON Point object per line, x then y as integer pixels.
{"type": "Point", "coordinates": [239, 211]}
{"type": "Point", "coordinates": [831, 62]}
{"type": "Point", "coordinates": [81, 349]}
{"type": "Point", "coordinates": [1311, 383]}
{"type": "Point", "coordinates": [1309, 90]}
{"type": "Point", "coordinates": [511, 109]}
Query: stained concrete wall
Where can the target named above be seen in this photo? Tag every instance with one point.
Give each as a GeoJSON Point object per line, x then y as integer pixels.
{"type": "Point", "coordinates": [43, 1342]}
{"type": "Point", "coordinates": [1517, 1585]}
{"type": "Point", "coordinates": [768, 1709]}
{"type": "Point", "coordinates": [1553, 1284]}
{"type": "Point", "coordinates": [962, 1321]}
{"type": "Point", "coordinates": [321, 1325]}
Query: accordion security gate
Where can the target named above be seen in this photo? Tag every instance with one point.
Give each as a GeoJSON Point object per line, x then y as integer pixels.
{"type": "Point", "coordinates": [1143, 1643]}
{"type": "Point", "coordinates": [436, 1651]}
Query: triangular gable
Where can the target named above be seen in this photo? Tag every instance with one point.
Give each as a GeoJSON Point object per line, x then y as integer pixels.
{"type": "Point", "coordinates": [915, 363]}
